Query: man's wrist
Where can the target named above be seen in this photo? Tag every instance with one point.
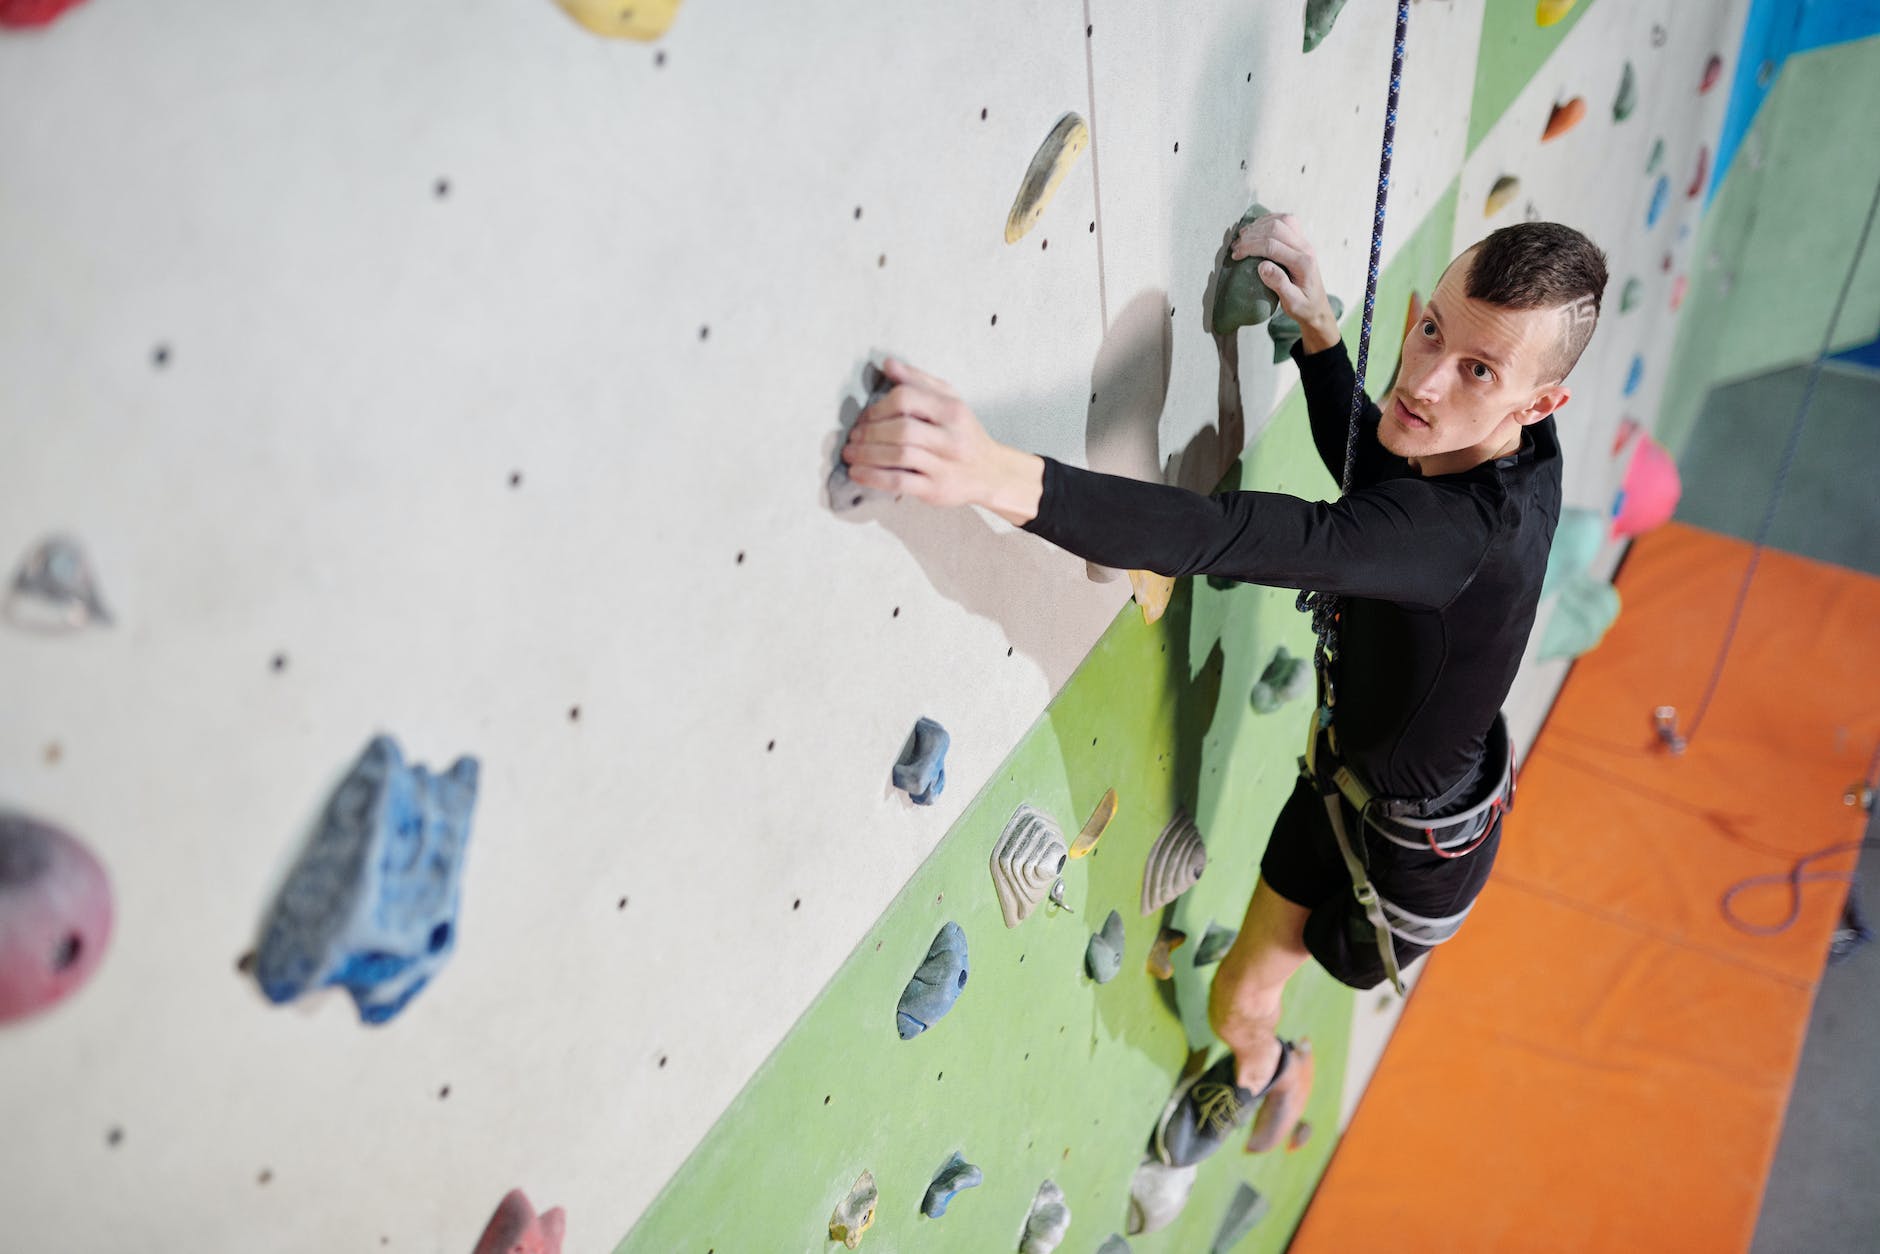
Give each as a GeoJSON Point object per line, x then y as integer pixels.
{"type": "Point", "coordinates": [1017, 485]}
{"type": "Point", "coordinates": [1319, 334]}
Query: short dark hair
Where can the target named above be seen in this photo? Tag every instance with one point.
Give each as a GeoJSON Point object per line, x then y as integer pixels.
{"type": "Point", "coordinates": [1543, 265]}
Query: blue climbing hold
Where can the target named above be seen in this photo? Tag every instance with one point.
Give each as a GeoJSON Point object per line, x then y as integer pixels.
{"type": "Point", "coordinates": [1635, 374]}
{"type": "Point", "coordinates": [935, 986]}
{"type": "Point", "coordinates": [371, 905]}
{"type": "Point", "coordinates": [922, 770]}
{"type": "Point", "coordinates": [957, 1176]}
{"type": "Point", "coordinates": [1661, 192]}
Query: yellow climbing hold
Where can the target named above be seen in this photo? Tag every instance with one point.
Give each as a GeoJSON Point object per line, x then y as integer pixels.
{"type": "Point", "coordinates": [1049, 165]}
{"type": "Point", "coordinates": [1501, 195]}
{"type": "Point", "coordinates": [1547, 12]}
{"type": "Point", "coordinates": [1161, 956]}
{"type": "Point", "coordinates": [855, 1214]}
{"type": "Point", "coordinates": [1152, 592]}
{"type": "Point", "coordinates": [1093, 827]}
{"type": "Point", "coordinates": [644, 20]}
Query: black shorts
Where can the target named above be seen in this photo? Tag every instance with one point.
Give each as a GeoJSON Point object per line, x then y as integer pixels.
{"type": "Point", "coordinates": [1303, 865]}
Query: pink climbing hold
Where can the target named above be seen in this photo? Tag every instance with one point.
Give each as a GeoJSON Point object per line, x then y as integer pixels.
{"type": "Point", "coordinates": [20, 14]}
{"type": "Point", "coordinates": [1677, 292]}
{"type": "Point", "coordinates": [1628, 427]}
{"type": "Point", "coordinates": [55, 915]}
{"type": "Point", "coordinates": [1651, 491]}
{"type": "Point", "coordinates": [1713, 70]}
{"type": "Point", "coordinates": [515, 1228]}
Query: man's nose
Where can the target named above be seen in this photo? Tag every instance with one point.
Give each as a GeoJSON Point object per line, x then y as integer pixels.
{"type": "Point", "coordinates": [1422, 383]}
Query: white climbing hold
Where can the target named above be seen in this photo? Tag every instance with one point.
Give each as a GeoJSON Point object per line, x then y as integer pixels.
{"type": "Point", "coordinates": [1157, 1194]}
{"type": "Point", "coordinates": [1048, 1221]}
{"type": "Point", "coordinates": [855, 1214]}
{"type": "Point", "coordinates": [1028, 858]}
{"type": "Point", "coordinates": [1176, 862]}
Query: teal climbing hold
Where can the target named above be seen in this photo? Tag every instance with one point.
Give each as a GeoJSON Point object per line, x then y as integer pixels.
{"type": "Point", "coordinates": [936, 984]}
{"type": "Point", "coordinates": [1240, 298]}
{"type": "Point", "coordinates": [1577, 541]}
{"type": "Point", "coordinates": [1285, 678]}
{"type": "Point", "coordinates": [1103, 956]}
{"type": "Point", "coordinates": [1215, 942]}
{"type": "Point", "coordinates": [1245, 1209]}
{"type": "Point", "coordinates": [1284, 328]}
{"type": "Point", "coordinates": [1320, 14]}
{"type": "Point", "coordinates": [1586, 608]}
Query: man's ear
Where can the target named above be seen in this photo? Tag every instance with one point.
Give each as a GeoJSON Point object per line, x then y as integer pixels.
{"type": "Point", "coordinates": [1546, 402]}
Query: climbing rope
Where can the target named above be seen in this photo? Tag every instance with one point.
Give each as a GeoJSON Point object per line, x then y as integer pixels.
{"type": "Point", "coordinates": [1323, 606]}
{"type": "Point", "coordinates": [1666, 717]}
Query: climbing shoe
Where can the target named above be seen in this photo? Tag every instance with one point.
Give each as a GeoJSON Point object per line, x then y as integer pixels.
{"type": "Point", "coordinates": [1205, 1109]}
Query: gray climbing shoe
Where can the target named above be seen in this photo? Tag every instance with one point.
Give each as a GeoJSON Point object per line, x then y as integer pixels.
{"type": "Point", "coordinates": [1207, 1108]}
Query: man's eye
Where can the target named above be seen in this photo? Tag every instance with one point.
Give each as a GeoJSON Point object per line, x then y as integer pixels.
{"type": "Point", "coordinates": [1429, 328]}
{"type": "Point", "coordinates": [1481, 372]}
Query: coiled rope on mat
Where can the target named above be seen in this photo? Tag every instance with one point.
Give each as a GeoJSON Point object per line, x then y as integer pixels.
{"type": "Point", "coordinates": [1324, 606]}
{"type": "Point", "coordinates": [1667, 715]}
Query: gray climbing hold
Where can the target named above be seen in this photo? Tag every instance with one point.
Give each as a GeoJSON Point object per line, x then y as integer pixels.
{"type": "Point", "coordinates": [1241, 298]}
{"type": "Point", "coordinates": [921, 771]}
{"type": "Point", "coordinates": [936, 984]}
{"type": "Point", "coordinates": [1176, 862]}
{"type": "Point", "coordinates": [855, 1214]}
{"type": "Point", "coordinates": [1320, 14]}
{"type": "Point", "coordinates": [1285, 678]}
{"type": "Point", "coordinates": [371, 906]}
{"type": "Point", "coordinates": [1028, 858]}
{"type": "Point", "coordinates": [1627, 99]}
{"type": "Point", "coordinates": [1103, 956]}
{"type": "Point", "coordinates": [55, 590]}
{"type": "Point", "coordinates": [1115, 1245]}
{"type": "Point", "coordinates": [1245, 1209]}
{"type": "Point", "coordinates": [1049, 1219]}
{"type": "Point", "coordinates": [1284, 328]}
{"type": "Point", "coordinates": [1629, 296]}
{"type": "Point", "coordinates": [1157, 1195]}
{"type": "Point", "coordinates": [1214, 944]}
{"type": "Point", "coordinates": [957, 1176]}
{"type": "Point", "coordinates": [844, 493]}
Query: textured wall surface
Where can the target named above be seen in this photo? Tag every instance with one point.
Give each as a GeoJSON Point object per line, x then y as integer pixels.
{"type": "Point", "coordinates": [447, 371]}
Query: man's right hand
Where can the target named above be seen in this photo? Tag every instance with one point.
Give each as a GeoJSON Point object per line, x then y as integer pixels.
{"type": "Point", "coordinates": [1291, 269]}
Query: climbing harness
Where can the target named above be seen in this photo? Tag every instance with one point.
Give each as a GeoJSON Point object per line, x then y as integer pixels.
{"type": "Point", "coordinates": [1402, 821]}
{"type": "Point", "coordinates": [1665, 717]}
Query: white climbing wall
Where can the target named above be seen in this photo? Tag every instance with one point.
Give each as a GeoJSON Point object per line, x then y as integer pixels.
{"type": "Point", "coordinates": [500, 369]}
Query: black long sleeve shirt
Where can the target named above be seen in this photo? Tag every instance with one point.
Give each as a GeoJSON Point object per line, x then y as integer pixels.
{"type": "Point", "coordinates": [1440, 575]}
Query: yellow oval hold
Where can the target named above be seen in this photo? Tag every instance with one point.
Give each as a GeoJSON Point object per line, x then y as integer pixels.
{"type": "Point", "coordinates": [644, 20]}
{"type": "Point", "coordinates": [1049, 165]}
{"type": "Point", "coordinates": [1547, 12]}
{"type": "Point", "coordinates": [1500, 195]}
{"type": "Point", "coordinates": [1093, 827]}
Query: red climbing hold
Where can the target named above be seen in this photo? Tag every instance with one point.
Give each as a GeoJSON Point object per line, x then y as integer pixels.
{"type": "Point", "coordinates": [1564, 118]}
{"type": "Point", "coordinates": [26, 13]}
{"type": "Point", "coordinates": [1713, 69]}
{"type": "Point", "coordinates": [515, 1228]}
{"type": "Point", "coordinates": [55, 915]}
{"type": "Point", "coordinates": [1696, 188]}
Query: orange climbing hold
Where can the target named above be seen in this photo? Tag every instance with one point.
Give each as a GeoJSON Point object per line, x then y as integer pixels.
{"type": "Point", "coordinates": [1564, 118]}
{"type": "Point", "coordinates": [1152, 593]}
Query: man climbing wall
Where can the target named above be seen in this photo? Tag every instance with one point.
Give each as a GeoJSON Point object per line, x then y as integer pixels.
{"type": "Point", "coordinates": [1437, 552]}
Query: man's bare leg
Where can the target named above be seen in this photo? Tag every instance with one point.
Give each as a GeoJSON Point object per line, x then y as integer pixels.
{"type": "Point", "coordinates": [1244, 1003]}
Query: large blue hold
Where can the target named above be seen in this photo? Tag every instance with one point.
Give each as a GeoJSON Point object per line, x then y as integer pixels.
{"type": "Point", "coordinates": [935, 986]}
{"type": "Point", "coordinates": [371, 906]}
{"type": "Point", "coordinates": [922, 770]}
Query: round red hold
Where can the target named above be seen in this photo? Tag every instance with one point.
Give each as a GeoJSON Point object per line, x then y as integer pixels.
{"type": "Point", "coordinates": [55, 915]}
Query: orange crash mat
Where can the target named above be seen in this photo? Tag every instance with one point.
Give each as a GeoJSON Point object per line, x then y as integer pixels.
{"type": "Point", "coordinates": [1600, 1061]}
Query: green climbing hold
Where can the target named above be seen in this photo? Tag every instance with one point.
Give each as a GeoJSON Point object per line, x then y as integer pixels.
{"type": "Point", "coordinates": [1630, 296]}
{"type": "Point", "coordinates": [1103, 956]}
{"type": "Point", "coordinates": [1240, 298]}
{"type": "Point", "coordinates": [1627, 99]}
{"type": "Point", "coordinates": [1320, 14]}
{"type": "Point", "coordinates": [1658, 155]}
{"type": "Point", "coordinates": [1245, 1209]}
{"type": "Point", "coordinates": [1284, 328]}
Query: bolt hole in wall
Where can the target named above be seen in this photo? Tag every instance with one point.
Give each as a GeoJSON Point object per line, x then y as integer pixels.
{"type": "Point", "coordinates": [278, 662]}
{"type": "Point", "coordinates": [441, 188]}
{"type": "Point", "coordinates": [160, 356]}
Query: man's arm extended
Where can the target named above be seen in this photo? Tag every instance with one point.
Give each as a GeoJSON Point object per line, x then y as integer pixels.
{"type": "Point", "coordinates": [1405, 540]}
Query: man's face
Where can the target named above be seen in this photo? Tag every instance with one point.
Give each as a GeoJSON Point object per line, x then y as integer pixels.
{"type": "Point", "coordinates": [1472, 375]}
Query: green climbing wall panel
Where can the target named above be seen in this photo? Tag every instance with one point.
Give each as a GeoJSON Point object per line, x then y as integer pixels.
{"type": "Point", "coordinates": [1038, 1072]}
{"type": "Point", "coordinates": [1514, 46]}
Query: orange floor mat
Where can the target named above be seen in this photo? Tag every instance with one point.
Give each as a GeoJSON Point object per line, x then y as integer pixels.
{"type": "Point", "coordinates": [1599, 1061]}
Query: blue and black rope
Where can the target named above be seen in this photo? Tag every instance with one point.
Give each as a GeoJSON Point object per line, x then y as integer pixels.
{"type": "Point", "coordinates": [1323, 606]}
